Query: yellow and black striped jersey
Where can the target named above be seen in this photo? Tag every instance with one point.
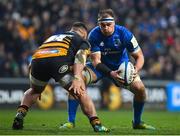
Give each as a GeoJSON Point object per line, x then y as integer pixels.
{"type": "Point", "coordinates": [63, 45]}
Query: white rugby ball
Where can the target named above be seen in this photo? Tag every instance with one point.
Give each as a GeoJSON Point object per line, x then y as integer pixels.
{"type": "Point", "coordinates": [127, 71]}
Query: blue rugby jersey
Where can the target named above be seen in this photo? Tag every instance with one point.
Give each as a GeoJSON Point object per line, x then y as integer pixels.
{"type": "Point", "coordinates": [114, 48]}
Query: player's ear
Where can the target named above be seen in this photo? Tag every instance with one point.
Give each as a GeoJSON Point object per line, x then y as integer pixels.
{"type": "Point", "coordinates": [114, 23]}
{"type": "Point", "coordinates": [97, 22]}
{"type": "Point", "coordinates": [84, 34]}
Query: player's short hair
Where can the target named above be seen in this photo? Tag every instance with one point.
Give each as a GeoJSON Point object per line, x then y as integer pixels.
{"type": "Point", "coordinates": [104, 13]}
{"type": "Point", "coordinates": [80, 25]}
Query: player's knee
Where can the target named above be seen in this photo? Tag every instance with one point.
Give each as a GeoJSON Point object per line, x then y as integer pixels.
{"type": "Point", "coordinates": [32, 91]}
{"type": "Point", "coordinates": [29, 91]}
{"type": "Point", "coordinates": [37, 89]}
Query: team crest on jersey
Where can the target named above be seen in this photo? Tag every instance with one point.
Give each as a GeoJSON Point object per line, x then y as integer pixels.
{"type": "Point", "coordinates": [116, 41]}
{"type": "Point", "coordinates": [63, 69]}
{"type": "Point", "coordinates": [101, 44]}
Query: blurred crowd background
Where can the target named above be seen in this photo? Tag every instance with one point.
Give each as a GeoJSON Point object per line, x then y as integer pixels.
{"type": "Point", "coordinates": [25, 24]}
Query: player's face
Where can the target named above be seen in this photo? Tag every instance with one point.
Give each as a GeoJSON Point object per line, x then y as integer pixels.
{"type": "Point", "coordinates": [82, 33]}
{"type": "Point", "coordinates": [107, 28]}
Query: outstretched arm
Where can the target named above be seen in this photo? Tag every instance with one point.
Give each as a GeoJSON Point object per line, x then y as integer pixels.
{"type": "Point", "coordinates": [78, 84]}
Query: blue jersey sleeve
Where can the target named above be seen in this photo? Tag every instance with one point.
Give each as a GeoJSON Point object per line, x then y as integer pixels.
{"type": "Point", "coordinates": [130, 41]}
{"type": "Point", "coordinates": [94, 41]}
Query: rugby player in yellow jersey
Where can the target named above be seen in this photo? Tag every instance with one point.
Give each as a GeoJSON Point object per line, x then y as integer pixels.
{"type": "Point", "coordinates": [54, 59]}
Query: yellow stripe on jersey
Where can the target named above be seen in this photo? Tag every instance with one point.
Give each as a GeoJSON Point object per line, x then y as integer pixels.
{"type": "Point", "coordinates": [49, 52]}
{"type": "Point", "coordinates": [44, 45]}
{"type": "Point", "coordinates": [67, 39]}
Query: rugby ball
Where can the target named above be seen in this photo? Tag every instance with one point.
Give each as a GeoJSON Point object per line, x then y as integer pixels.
{"type": "Point", "coordinates": [127, 71]}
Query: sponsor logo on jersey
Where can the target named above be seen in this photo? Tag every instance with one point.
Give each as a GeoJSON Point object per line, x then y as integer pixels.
{"type": "Point", "coordinates": [63, 69]}
{"type": "Point", "coordinates": [54, 51]}
{"type": "Point", "coordinates": [48, 51]}
{"type": "Point", "coordinates": [116, 41]}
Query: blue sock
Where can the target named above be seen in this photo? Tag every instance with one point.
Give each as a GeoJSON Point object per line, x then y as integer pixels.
{"type": "Point", "coordinates": [72, 108]}
{"type": "Point", "coordinates": [138, 109]}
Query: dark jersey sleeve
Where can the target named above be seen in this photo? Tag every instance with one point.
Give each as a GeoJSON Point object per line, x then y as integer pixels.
{"type": "Point", "coordinates": [85, 45]}
{"type": "Point", "coordinates": [80, 43]}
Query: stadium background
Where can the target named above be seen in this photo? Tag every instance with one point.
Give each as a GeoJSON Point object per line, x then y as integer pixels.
{"type": "Point", "coordinates": [25, 24]}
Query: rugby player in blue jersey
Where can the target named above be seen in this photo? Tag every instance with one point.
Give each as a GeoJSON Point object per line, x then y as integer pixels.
{"type": "Point", "coordinates": [110, 46]}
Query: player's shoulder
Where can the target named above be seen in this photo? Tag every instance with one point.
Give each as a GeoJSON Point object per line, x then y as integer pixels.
{"type": "Point", "coordinates": [74, 37]}
{"type": "Point", "coordinates": [71, 34]}
{"type": "Point", "coordinates": [123, 32]}
{"type": "Point", "coordinates": [121, 28]}
{"type": "Point", "coordinates": [95, 31]}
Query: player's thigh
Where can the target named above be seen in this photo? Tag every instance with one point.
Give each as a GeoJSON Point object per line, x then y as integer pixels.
{"type": "Point", "coordinates": [39, 75]}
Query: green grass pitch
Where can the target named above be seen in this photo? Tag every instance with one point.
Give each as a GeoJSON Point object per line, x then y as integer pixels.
{"type": "Point", "coordinates": [38, 122]}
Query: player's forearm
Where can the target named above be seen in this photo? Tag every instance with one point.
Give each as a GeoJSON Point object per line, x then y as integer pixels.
{"type": "Point", "coordinates": [79, 63]}
{"type": "Point", "coordinates": [96, 60]}
{"type": "Point", "coordinates": [103, 68]}
{"type": "Point", "coordinates": [78, 68]}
